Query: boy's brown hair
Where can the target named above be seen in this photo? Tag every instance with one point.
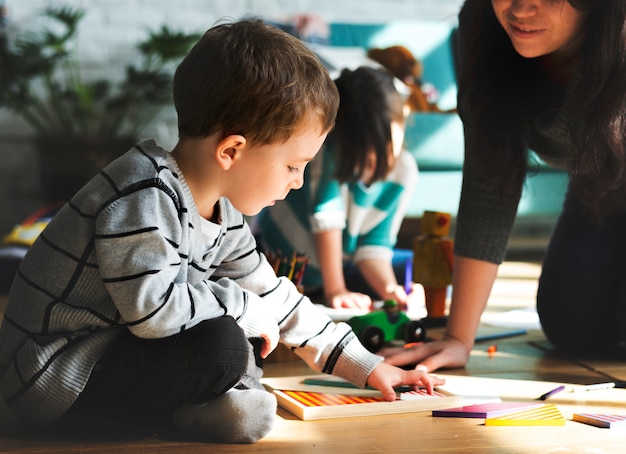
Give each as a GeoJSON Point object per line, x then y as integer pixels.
{"type": "Point", "coordinates": [252, 79]}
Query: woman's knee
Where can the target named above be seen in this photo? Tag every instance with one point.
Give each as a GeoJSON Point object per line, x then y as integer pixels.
{"type": "Point", "coordinates": [577, 326]}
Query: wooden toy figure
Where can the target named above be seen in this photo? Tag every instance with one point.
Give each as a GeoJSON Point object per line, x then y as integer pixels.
{"type": "Point", "coordinates": [432, 263]}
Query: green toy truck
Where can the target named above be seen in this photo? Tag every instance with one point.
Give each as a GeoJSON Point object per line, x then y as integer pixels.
{"type": "Point", "coordinates": [389, 323]}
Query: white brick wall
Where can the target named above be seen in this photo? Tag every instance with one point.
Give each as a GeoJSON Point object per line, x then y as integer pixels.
{"type": "Point", "coordinates": [201, 13]}
{"type": "Point", "coordinates": [108, 35]}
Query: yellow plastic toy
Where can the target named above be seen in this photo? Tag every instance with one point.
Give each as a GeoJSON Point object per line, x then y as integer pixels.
{"type": "Point", "coordinates": [432, 262]}
{"type": "Point", "coordinates": [27, 232]}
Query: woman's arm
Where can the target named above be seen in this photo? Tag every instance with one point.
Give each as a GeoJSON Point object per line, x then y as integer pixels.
{"type": "Point", "coordinates": [328, 245]}
{"type": "Point", "coordinates": [472, 283]}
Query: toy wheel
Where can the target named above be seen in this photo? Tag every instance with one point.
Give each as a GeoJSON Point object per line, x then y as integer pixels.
{"type": "Point", "coordinates": [372, 338]}
{"type": "Point", "coordinates": [414, 331]}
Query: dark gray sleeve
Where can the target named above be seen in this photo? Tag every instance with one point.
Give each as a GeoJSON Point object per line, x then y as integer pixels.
{"type": "Point", "coordinates": [486, 213]}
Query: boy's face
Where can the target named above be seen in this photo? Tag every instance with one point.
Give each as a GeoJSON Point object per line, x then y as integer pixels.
{"type": "Point", "coordinates": [266, 173]}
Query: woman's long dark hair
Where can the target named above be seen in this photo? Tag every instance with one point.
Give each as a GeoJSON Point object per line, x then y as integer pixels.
{"type": "Point", "coordinates": [496, 85]}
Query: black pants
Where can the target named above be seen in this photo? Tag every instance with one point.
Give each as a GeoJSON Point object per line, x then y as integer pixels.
{"type": "Point", "coordinates": [581, 299]}
{"type": "Point", "coordinates": [146, 380]}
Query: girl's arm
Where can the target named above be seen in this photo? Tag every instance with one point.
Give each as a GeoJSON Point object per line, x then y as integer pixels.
{"type": "Point", "coordinates": [375, 265]}
{"type": "Point", "coordinates": [380, 276]}
{"type": "Point", "coordinates": [328, 245]}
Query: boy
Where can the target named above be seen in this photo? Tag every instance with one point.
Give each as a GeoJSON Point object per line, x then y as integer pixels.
{"type": "Point", "coordinates": [146, 297]}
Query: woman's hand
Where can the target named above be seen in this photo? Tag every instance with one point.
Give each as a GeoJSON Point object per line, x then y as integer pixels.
{"type": "Point", "coordinates": [350, 300]}
{"type": "Point", "coordinates": [472, 282]}
{"type": "Point", "coordinates": [385, 377]}
{"type": "Point", "coordinates": [447, 352]}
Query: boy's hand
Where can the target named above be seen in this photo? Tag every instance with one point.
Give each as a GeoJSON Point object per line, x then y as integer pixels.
{"type": "Point", "coordinates": [260, 323]}
{"type": "Point", "coordinates": [385, 377]}
{"type": "Point", "coordinates": [270, 342]}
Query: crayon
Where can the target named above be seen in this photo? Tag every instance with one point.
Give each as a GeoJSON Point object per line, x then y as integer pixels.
{"type": "Point", "coordinates": [552, 392]}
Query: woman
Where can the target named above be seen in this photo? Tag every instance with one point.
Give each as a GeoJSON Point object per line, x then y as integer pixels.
{"type": "Point", "coordinates": [546, 75]}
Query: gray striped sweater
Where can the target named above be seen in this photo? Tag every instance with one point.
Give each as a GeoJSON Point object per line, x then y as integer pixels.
{"type": "Point", "coordinates": [131, 252]}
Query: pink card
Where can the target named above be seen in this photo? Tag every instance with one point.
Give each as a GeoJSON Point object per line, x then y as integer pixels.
{"type": "Point", "coordinates": [601, 420]}
{"type": "Point", "coordinates": [486, 410]}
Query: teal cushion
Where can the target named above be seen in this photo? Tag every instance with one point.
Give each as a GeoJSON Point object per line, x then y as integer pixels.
{"type": "Point", "coordinates": [428, 41]}
{"type": "Point", "coordinates": [435, 140]}
{"type": "Point", "coordinates": [440, 190]}
{"type": "Point", "coordinates": [436, 190]}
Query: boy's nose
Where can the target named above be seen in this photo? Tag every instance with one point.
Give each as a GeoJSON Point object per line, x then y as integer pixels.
{"type": "Point", "coordinates": [297, 183]}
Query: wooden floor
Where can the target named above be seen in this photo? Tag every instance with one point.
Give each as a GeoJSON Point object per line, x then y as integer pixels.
{"type": "Point", "coordinates": [522, 368]}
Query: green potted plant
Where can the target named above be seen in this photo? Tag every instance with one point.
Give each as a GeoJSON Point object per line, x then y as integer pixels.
{"type": "Point", "coordinates": [80, 125]}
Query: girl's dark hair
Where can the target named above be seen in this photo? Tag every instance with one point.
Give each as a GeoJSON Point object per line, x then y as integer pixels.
{"type": "Point", "coordinates": [497, 88]}
{"type": "Point", "coordinates": [251, 78]}
{"type": "Point", "coordinates": [368, 103]}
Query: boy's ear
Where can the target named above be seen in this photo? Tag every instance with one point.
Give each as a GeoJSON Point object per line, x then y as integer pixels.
{"type": "Point", "coordinates": [229, 149]}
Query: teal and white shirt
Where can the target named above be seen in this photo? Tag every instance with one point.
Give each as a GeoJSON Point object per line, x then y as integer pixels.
{"type": "Point", "coordinates": [369, 216]}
